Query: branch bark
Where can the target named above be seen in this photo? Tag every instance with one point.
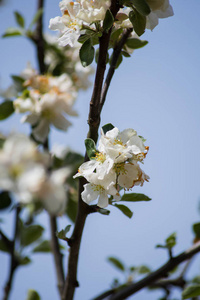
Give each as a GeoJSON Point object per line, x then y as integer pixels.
{"type": "Point", "coordinates": [13, 261]}
{"type": "Point", "coordinates": [38, 40]}
{"type": "Point", "coordinates": [116, 53]}
{"type": "Point", "coordinates": [94, 121]}
{"type": "Point", "coordinates": [161, 272]}
{"type": "Point", "coordinates": [58, 258]}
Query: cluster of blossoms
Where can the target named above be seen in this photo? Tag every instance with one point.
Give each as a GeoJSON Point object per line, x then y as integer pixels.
{"type": "Point", "coordinates": [24, 171]}
{"type": "Point", "coordinates": [67, 61]}
{"type": "Point", "coordinates": [79, 15]}
{"type": "Point", "coordinates": [114, 166]}
{"type": "Point", "coordinates": [47, 99]}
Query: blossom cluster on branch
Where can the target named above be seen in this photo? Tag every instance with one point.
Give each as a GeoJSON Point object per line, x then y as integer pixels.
{"type": "Point", "coordinates": [25, 171]}
{"type": "Point", "coordinates": [80, 16]}
{"type": "Point", "coordinates": [113, 166]}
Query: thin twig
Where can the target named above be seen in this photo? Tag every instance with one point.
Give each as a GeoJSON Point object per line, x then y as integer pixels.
{"type": "Point", "coordinates": [13, 261]}
{"type": "Point", "coordinates": [58, 258]}
{"type": "Point", "coordinates": [38, 40]}
{"type": "Point", "coordinates": [116, 53]}
{"type": "Point", "coordinates": [161, 272]}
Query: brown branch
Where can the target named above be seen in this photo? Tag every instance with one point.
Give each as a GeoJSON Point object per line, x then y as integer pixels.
{"type": "Point", "coordinates": [58, 258]}
{"type": "Point", "coordinates": [116, 53]}
{"type": "Point", "coordinates": [94, 114]}
{"type": "Point", "coordinates": [93, 120]}
{"type": "Point", "coordinates": [13, 261]}
{"type": "Point", "coordinates": [38, 40]}
{"type": "Point", "coordinates": [161, 272]}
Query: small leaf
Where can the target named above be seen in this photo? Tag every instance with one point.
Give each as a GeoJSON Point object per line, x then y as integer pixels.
{"type": "Point", "coordinates": [86, 53]}
{"type": "Point", "coordinates": [107, 127]}
{"type": "Point", "coordinates": [191, 291]}
{"type": "Point", "coordinates": [103, 211]}
{"type": "Point", "coordinates": [36, 17]}
{"type": "Point", "coordinates": [19, 19]}
{"type": "Point", "coordinates": [62, 234]}
{"type": "Point", "coordinates": [143, 269]}
{"type": "Point", "coordinates": [24, 261]}
{"type": "Point", "coordinates": [32, 295]}
{"type": "Point", "coordinates": [117, 263]}
{"type": "Point", "coordinates": [11, 31]}
{"type": "Point", "coordinates": [83, 37]}
{"type": "Point", "coordinates": [72, 205]}
{"type": "Point", "coordinates": [126, 211]}
{"type": "Point", "coordinates": [5, 200]}
{"type": "Point", "coordinates": [138, 21]}
{"type": "Point", "coordinates": [18, 82]}
{"type": "Point", "coordinates": [90, 148]}
{"type": "Point", "coordinates": [196, 229]}
{"type": "Point", "coordinates": [30, 234]}
{"type": "Point", "coordinates": [6, 109]}
{"type": "Point", "coordinates": [142, 7]}
{"type": "Point", "coordinates": [135, 43]}
{"type": "Point", "coordinates": [108, 20]}
{"type": "Point", "coordinates": [119, 61]}
{"type": "Point", "coordinates": [3, 246]}
{"type": "Point", "coordinates": [44, 246]}
{"type": "Point", "coordinates": [171, 241]}
{"type": "Point", "coordinates": [125, 54]}
{"type": "Point", "coordinates": [135, 197]}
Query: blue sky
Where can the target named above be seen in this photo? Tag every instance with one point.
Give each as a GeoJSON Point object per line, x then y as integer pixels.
{"type": "Point", "coordinates": [156, 92]}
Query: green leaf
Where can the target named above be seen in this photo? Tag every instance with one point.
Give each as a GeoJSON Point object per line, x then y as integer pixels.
{"type": "Point", "coordinates": [107, 127]}
{"type": "Point", "coordinates": [171, 241]}
{"type": "Point", "coordinates": [44, 246]}
{"type": "Point", "coordinates": [32, 295]}
{"type": "Point", "coordinates": [143, 269]}
{"type": "Point", "coordinates": [135, 197]}
{"type": "Point", "coordinates": [23, 261]}
{"type": "Point", "coordinates": [115, 35]}
{"type": "Point", "coordinates": [36, 17]}
{"type": "Point", "coordinates": [62, 234]}
{"type": "Point", "coordinates": [3, 246]}
{"type": "Point", "coordinates": [19, 19]}
{"type": "Point", "coordinates": [103, 211]}
{"type": "Point", "coordinates": [2, 141]}
{"type": "Point", "coordinates": [191, 291]}
{"type": "Point", "coordinates": [18, 82]}
{"type": "Point", "coordinates": [138, 21]}
{"type": "Point", "coordinates": [12, 31]}
{"type": "Point", "coordinates": [116, 263]}
{"type": "Point", "coordinates": [135, 43]}
{"type": "Point", "coordinates": [141, 6]}
{"type": "Point", "coordinates": [86, 53]}
{"type": "Point", "coordinates": [6, 109]}
{"type": "Point", "coordinates": [30, 234]}
{"type": "Point", "coordinates": [119, 61]}
{"type": "Point", "coordinates": [90, 148]}
{"type": "Point", "coordinates": [83, 37]}
{"type": "Point", "coordinates": [5, 200]}
{"type": "Point", "coordinates": [125, 210]}
{"type": "Point", "coordinates": [125, 54]}
{"type": "Point", "coordinates": [72, 205]}
{"type": "Point", "coordinates": [196, 229]}
{"type": "Point", "coordinates": [108, 20]}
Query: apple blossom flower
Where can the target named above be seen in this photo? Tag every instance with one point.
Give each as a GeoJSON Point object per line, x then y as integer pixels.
{"type": "Point", "coordinates": [38, 185]}
{"type": "Point", "coordinates": [115, 165]}
{"type": "Point", "coordinates": [159, 9]}
{"type": "Point", "coordinates": [47, 100]}
{"type": "Point", "coordinates": [76, 15]}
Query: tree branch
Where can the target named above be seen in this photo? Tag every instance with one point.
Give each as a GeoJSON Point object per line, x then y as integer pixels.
{"type": "Point", "coordinates": [38, 40]}
{"type": "Point", "coordinates": [13, 261]}
{"type": "Point", "coordinates": [116, 53]}
{"type": "Point", "coordinates": [161, 272]}
{"type": "Point", "coordinates": [58, 258]}
{"type": "Point", "coordinates": [93, 120]}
